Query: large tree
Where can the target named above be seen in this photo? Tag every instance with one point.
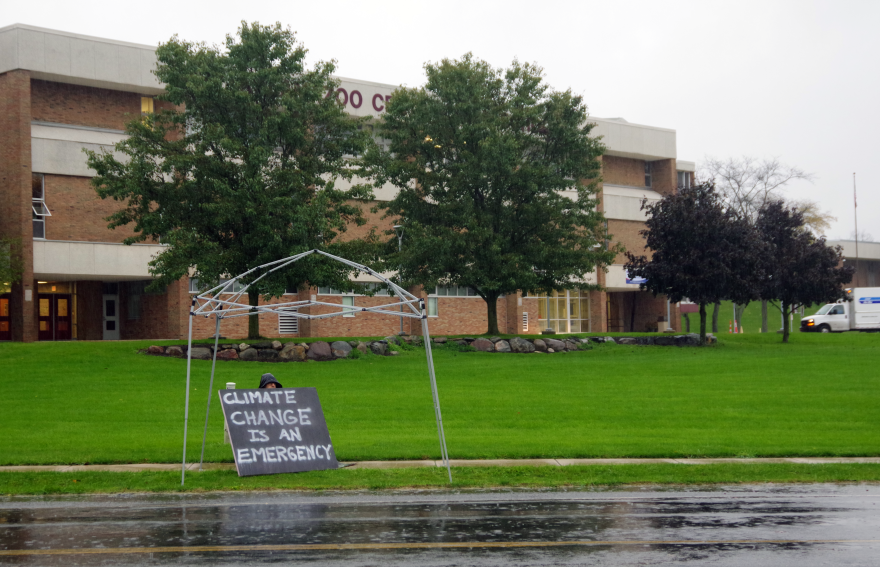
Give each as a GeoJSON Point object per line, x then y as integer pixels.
{"type": "Point", "coordinates": [701, 248]}
{"type": "Point", "coordinates": [495, 172]}
{"type": "Point", "coordinates": [799, 268]}
{"type": "Point", "coordinates": [238, 167]}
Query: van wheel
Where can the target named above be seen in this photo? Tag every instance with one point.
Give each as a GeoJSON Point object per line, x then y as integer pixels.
{"type": "Point", "coordinates": [824, 329]}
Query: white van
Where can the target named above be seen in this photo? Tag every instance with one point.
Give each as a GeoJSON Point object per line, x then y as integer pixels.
{"type": "Point", "coordinates": [859, 312]}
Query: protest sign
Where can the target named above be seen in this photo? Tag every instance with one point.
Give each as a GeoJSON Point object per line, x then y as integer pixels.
{"type": "Point", "coordinates": [277, 430]}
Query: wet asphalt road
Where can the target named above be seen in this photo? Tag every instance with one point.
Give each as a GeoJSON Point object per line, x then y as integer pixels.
{"type": "Point", "coordinates": [753, 525]}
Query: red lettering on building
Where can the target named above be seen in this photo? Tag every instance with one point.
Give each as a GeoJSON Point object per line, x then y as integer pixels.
{"type": "Point", "coordinates": [360, 99]}
{"type": "Point", "coordinates": [378, 107]}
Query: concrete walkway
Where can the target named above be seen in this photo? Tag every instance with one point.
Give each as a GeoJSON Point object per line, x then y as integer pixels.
{"type": "Point", "coordinates": [454, 463]}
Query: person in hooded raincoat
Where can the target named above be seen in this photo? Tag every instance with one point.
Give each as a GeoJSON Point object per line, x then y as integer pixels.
{"type": "Point", "coordinates": [269, 381]}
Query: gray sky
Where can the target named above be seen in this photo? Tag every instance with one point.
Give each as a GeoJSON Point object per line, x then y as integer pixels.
{"type": "Point", "coordinates": [794, 80]}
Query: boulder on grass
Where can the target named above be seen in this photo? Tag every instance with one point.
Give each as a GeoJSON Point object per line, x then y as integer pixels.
{"type": "Point", "coordinates": [276, 345]}
{"type": "Point", "coordinates": [571, 344]}
{"type": "Point", "coordinates": [664, 341]}
{"type": "Point", "coordinates": [228, 354]}
{"type": "Point", "coordinates": [521, 345]}
{"type": "Point", "coordinates": [556, 345]}
{"type": "Point", "coordinates": [379, 347]}
{"type": "Point", "coordinates": [267, 354]}
{"type": "Point", "coordinates": [362, 346]}
{"type": "Point", "coordinates": [243, 347]}
{"type": "Point", "coordinates": [483, 345]}
{"type": "Point", "coordinates": [262, 344]}
{"type": "Point", "coordinates": [201, 353]}
{"type": "Point", "coordinates": [174, 351]}
{"type": "Point", "coordinates": [392, 340]}
{"type": "Point", "coordinates": [292, 352]}
{"type": "Point", "coordinates": [502, 346]}
{"type": "Point", "coordinates": [340, 349]}
{"type": "Point", "coordinates": [320, 351]}
{"type": "Point", "coordinates": [248, 354]}
{"type": "Point", "coordinates": [627, 341]}
{"type": "Point", "coordinates": [156, 350]}
{"type": "Point", "coordinates": [540, 345]}
{"type": "Point", "coordinates": [494, 339]}
{"type": "Point", "coordinates": [440, 340]}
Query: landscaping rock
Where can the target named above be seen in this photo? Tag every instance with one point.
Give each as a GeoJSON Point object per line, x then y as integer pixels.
{"type": "Point", "coordinates": [276, 345]}
{"type": "Point", "coordinates": [228, 354]}
{"type": "Point", "coordinates": [495, 339]}
{"type": "Point", "coordinates": [248, 354]}
{"type": "Point", "coordinates": [267, 354]}
{"type": "Point", "coordinates": [354, 344]}
{"type": "Point", "coordinates": [555, 344]}
{"type": "Point", "coordinates": [416, 340]}
{"type": "Point", "coordinates": [627, 341]}
{"type": "Point", "coordinates": [550, 351]}
{"type": "Point", "coordinates": [262, 344]}
{"type": "Point", "coordinates": [156, 350]}
{"type": "Point", "coordinates": [440, 340]}
{"type": "Point", "coordinates": [393, 353]}
{"type": "Point", "coordinates": [540, 345]}
{"type": "Point", "coordinates": [521, 345]}
{"type": "Point", "coordinates": [201, 353]}
{"type": "Point", "coordinates": [362, 346]}
{"type": "Point", "coordinates": [468, 339]}
{"type": "Point", "coordinates": [304, 345]}
{"type": "Point", "coordinates": [320, 351]}
{"type": "Point", "coordinates": [243, 347]}
{"type": "Point", "coordinates": [174, 351]}
{"type": "Point", "coordinates": [502, 346]}
{"type": "Point", "coordinates": [647, 341]}
{"type": "Point", "coordinates": [227, 347]}
{"type": "Point", "coordinates": [461, 342]}
{"type": "Point", "coordinates": [687, 340]}
{"type": "Point", "coordinates": [392, 340]}
{"type": "Point", "coordinates": [292, 353]}
{"type": "Point", "coordinates": [379, 347]}
{"type": "Point", "coordinates": [483, 345]}
{"type": "Point", "coordinates": [664, 341]}
{"type": "Point", "coordinates": [571, 344]}
{"type": "Point", "coordinates": [340, 349]}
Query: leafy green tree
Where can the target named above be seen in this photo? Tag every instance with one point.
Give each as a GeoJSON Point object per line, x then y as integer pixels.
{"type": "Point", "coordinates": [493, 170]}
{"type": "Point", "coordinates": [11, 262]}
{"type": "Point", "coordinates": [238, 166]}
{"type": "Point", "coordinates": [701, 248]}
{"type": "Point", "coordinates": [799, 268]}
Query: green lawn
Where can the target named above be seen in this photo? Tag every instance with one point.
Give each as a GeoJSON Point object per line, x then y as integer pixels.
{"type": "Point", "coordinates": [463, 477]}
{"type": "Point", "coordinates": [749, 396]}
{"type": "Point", "coordinates": [751, 319]}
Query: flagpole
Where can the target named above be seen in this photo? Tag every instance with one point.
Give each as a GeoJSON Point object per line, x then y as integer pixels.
{"type": "Point", "coordinates": [856, 214]}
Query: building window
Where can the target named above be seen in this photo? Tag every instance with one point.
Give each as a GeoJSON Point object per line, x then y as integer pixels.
{"type": "Point", "coordinates": [375, 287]}
{"type": "Point", "coordinates": [38, 204]}
{"type": "Point", "coordinates": [194, 286]}
{"type": "Point", "coordinates": [569, 311]}
{"type": "Point", "coordinates": [135, 291]}
{"type": "Point", "coordinates": [348, 301]}
{"type": "Point", "coordinates": [684, 179]}
{"type": "Point", "coordinates": [455, 291]}
{"type": "Point", "coordinates": [648, 174]}
{"type": "Point", "coordinates": [433, 311]}
{"type": "Point", "coordinates": [147, 105]}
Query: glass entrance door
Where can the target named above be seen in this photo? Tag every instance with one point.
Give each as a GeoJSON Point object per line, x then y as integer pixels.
{"type": "Point", "coordinates": [5, 318]}
{"type": "Point", "coordinates": [568, 310]}
{"type": "Point", "coordinates": [54, 317]}
{"type": "Point", "coordinates": [111, 317]}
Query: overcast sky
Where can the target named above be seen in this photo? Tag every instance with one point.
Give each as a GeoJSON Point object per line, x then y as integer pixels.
{"type": "Point", "coordinates": [795, 80]}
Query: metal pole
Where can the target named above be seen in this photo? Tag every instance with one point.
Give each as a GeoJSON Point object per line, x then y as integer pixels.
{"type": "Point", "coordinates": [400, 268]}
{"type": "Point", "coordinates": [427, 337]}
{"type": "Point", "coordinates": [210, 389]}
{"type": "Point", "coordinates": [856, 214]}
{"type": "Point", "coordinates": [186, 411]}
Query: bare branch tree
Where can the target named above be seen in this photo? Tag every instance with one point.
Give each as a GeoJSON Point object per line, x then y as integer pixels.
{"type": "Point", "coordinates": [747, 184]}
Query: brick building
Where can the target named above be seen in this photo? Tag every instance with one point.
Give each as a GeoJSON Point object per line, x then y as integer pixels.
{"type": "Point", "coordinates": [62, 92]}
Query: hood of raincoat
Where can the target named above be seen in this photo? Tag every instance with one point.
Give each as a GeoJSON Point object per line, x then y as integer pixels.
{"type": "Point", "coordinates": [267, 379]}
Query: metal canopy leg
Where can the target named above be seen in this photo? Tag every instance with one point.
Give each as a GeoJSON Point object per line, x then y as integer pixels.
{"type": "Point", "coordinates": [189, 344]}
{"type": "Point", "coordinates": [210, 390]}
{"type": "Point", "coordinates": [444, 454]}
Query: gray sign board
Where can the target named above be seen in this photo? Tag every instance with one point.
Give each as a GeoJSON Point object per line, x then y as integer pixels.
{"type": "Point", "coordinates": [277, 430]}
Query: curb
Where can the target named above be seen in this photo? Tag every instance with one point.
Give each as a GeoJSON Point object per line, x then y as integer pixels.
{"type": "Point", "coordinates": [457, 463]}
